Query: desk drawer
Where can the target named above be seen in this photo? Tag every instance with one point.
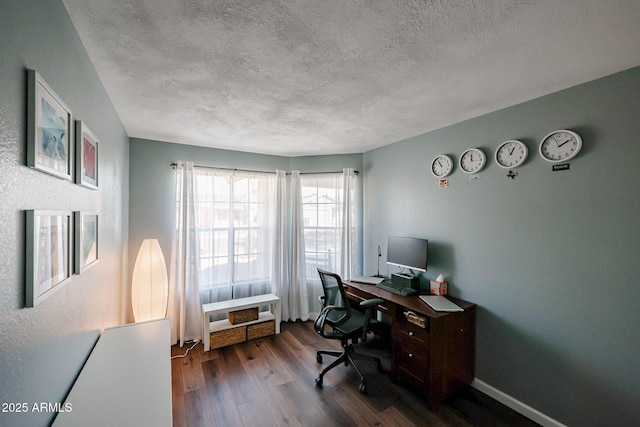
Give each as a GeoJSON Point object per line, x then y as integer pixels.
{"type": "Point", "coordinates": [412, 332]}
{"type": "Point", "coordinates": [413, 353]}
{"type": "Point", "coordinates": [405, 330]}
{"type": "Point", "coordinates": [358, 296]}
{"type": "Point", "coordinates": [412, 361]}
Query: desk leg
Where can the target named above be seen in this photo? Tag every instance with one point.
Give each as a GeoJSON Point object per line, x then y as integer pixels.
{"type": "Point", "coordinates": [205, 332]}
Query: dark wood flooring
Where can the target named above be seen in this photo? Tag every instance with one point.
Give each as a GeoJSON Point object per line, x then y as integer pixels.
{"type": "Point", "coordinates": [271, 382]}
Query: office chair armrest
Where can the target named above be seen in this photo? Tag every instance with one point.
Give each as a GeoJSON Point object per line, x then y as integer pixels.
{"type": "Point", "coordinates": [370, 305]}
{"type": "Point", "coordinates": [371, 302]}
{"type": "Point", "coordinates": [321, 320]}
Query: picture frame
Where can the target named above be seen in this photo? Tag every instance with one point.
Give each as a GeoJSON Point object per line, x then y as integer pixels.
{"type": "Point", "coordinates": [86, 156]}
{"type": "Point", "coordinates": [86, 241]}
{"type": "Point", "coordinates": [49, 129]}
{"type": "Point", "coordinates": [48, 253]}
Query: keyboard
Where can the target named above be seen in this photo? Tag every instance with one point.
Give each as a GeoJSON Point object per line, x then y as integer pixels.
{"type": "Point", "coordinates": [367, 279]}
{"type": "Point", "coordinates": [388, 285]}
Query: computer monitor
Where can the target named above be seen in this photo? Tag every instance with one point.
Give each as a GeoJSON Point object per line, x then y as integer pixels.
{"type": "Point", "coordinates": [407, 252]}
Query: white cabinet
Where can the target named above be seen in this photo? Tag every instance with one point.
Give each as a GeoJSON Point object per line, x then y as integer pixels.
{"type": "Point", "coordinates": [218, 326]}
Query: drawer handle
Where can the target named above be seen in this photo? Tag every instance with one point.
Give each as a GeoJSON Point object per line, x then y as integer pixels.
{"type": "Point", "coordinates": [410, 354]}
{"type": "Point", "coordinates": [410, 333]}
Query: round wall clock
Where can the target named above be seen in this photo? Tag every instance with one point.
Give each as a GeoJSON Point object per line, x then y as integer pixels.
{"type": "Point", "coordinates": [441, 166]}
{"type": "Point", "coordinates": [511, 154]}
{"type": "Point", "coordinates": [560, 146]}
{"type": "Point", "coordinates": [472, 160]}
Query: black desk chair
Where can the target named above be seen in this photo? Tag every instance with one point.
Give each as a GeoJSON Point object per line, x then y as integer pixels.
{"type": "Point", "coordinates": [339, 322]}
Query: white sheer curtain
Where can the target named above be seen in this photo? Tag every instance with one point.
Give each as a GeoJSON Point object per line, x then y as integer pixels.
{"type": "Point", "coordinates": [348, 228]}
{"type": "Point", "coordinates": [329, 202]}
{"type": "Point", "coordinates": [288, 275]}
{"type": "Point", "coordinates": [184, 296]}
{"type": "Point", "coordinates": [242, 233]}
{"type": "Point", "coordinates": [299, 299]}
{"type": "Point", "coordinates": [280, 267]}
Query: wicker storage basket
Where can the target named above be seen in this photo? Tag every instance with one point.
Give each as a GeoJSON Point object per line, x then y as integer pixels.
{"type": "Point", "coordinates": [260, 330]}
{"type": "Point", "coordinates": [241, 316]}
{"type": "Point", "coordinates": [228, 337]}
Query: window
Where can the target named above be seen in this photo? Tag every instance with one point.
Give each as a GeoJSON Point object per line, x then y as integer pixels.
{"type": "Point", "coordinates": [234, 211]}
{"type": "Point", "coordinates": [322, 207]}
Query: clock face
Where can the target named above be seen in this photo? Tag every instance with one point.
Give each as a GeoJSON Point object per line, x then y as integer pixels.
{"type": "Point", "coordinates": [441, 166]}
{"type": "Point", "coordinates": [472, 160]}
{"type": "Point", "coordinates": [511, 154]}
{"type": "Point", "coordinates": [560, 146]}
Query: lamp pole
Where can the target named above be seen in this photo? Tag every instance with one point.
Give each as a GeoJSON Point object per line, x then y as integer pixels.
{"type": "Point", "coordinates": [379, 255]}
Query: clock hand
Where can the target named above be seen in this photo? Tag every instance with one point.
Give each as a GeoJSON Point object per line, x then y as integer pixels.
{"type": "Point", "coordinates": [511, 152]}
{"type": "Point", "coordinates": [564, 142]}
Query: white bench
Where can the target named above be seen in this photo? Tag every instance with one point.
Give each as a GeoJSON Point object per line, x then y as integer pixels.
{"type": "Point", "coordinates": [210, 309]}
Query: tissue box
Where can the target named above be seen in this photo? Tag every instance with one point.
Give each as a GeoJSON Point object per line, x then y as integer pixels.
{"type": "Point", "coordinates": [438, 288]}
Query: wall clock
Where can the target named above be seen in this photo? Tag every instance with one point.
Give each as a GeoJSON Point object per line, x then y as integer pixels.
{"type": "Point", "coordinates": [441, 166]}
{"type": "Point", "coordinates": [560, 146]}
{"type": "Point", "coordinates": [472, 160]}
{"type": "Point", "coordinates": [511, 154]}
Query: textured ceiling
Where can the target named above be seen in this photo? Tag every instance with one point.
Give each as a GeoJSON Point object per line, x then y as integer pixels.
{"type": "Point", "coordinates": [307, 77]}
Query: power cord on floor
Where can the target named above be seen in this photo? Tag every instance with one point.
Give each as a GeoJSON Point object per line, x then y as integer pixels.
{"type": "Point", "coordinates": [188, 350]}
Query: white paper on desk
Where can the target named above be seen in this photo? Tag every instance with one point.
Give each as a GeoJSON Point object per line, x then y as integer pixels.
{"type": "Point", "coordinates": [440, 303]}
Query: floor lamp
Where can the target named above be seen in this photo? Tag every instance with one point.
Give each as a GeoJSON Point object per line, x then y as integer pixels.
{"type": "Point", "coordinates": [149, 285]}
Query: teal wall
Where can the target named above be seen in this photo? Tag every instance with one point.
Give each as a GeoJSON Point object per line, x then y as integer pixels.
{"type": "Point", "coordinates": [551, 258]}
{"type": "Point", "coordinates": [42, 349]}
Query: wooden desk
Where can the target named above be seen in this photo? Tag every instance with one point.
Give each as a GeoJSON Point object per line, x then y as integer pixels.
{"type": "Point", "coordinates": [436, 360]}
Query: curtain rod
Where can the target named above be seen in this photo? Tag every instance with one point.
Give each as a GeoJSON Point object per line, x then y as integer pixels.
{"type": "Point", "coordinates": [174, 165]}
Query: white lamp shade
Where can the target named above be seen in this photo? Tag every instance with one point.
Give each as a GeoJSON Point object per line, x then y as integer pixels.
{"type": "Point", "coordinates": [149, 285]}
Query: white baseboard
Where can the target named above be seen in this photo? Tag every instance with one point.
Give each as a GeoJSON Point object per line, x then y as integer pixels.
{"type": "Point", "coordinates": [516, 405]}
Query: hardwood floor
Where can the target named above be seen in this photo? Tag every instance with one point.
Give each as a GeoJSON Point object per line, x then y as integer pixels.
{"type": "Point", "coordinates": [271, 382]}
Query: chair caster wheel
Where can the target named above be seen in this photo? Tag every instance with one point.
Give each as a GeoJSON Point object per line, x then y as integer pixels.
{"type": "Point", "coordinates": [319, 382]}
{"type": "Point", "coordinates": [319, 358]}
{"type": "Point", "coordinates": [363, 388]}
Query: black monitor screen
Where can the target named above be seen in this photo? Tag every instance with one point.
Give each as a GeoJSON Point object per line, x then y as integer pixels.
{"type": "Point", "coordinates": [407, 252]}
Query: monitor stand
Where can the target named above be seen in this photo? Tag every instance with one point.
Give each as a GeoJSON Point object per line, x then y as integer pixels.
{"type": "Point", "coordinates": [406, 280]}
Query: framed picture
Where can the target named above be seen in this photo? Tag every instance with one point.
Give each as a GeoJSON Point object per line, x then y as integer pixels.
{"type": "Point", "coordinates": [86, 240]}
{"type": "Point", "coordinates": [86, 156]}
{"type": "Point", "coordinates": [48, 254]}
{"type": "Point", "coordinates": [49, 128]}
